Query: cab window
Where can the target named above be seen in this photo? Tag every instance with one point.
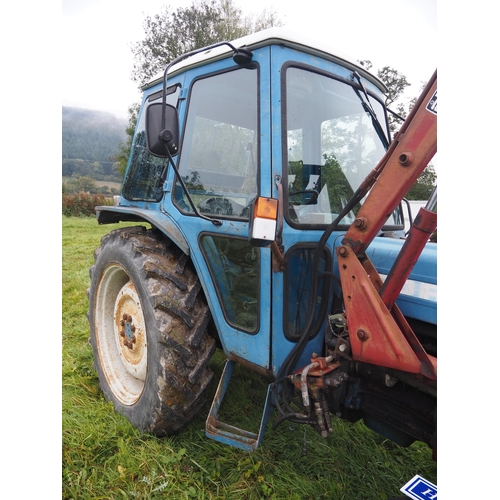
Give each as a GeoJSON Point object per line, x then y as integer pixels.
{"type": "Point", "coordinates": [219, 157]}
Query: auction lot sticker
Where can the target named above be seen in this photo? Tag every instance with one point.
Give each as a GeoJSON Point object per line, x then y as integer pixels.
{"type": "Point", "coordinates": [420, 489]}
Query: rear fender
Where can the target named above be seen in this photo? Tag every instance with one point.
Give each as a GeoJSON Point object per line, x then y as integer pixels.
{"type": "Point", "coordinates": [113, 214]}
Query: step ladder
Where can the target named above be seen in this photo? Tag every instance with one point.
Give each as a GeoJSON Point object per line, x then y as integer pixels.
{"type": "Point", "coordinates": [228, 434]}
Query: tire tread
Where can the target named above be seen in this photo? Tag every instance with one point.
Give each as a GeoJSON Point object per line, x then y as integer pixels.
{"type": "Point", "coordinates": [181, 318]}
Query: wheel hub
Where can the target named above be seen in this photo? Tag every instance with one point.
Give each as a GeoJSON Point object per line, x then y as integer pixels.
{"type": "Point", "coordinates": [121, 335]}
{"type": "Point", "coordinates": [130, 331]}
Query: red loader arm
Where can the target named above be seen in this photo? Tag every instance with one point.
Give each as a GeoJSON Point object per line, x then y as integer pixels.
{"type": "Point", "coordinates": [378, 331]}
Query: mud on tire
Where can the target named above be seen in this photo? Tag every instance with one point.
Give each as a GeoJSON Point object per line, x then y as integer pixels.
{"type": "Point", "coordinates": [148, 325]}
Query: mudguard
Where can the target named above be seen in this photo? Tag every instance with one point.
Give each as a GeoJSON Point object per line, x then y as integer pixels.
{"type": "Point", "coordinates": [110, 214]}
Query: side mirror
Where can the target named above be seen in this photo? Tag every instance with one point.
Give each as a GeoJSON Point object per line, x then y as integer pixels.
{"type": "Point", "coordinates": [159, 138]}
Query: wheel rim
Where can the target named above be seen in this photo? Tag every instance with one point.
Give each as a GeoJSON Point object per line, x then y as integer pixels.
{"type": "Point", "coordinates": [121, 335]}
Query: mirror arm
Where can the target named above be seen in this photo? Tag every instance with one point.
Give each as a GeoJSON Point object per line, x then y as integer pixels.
{"type": "Point", "coordinates": [162, 136]}
{"type": "Point", "coordinates": [240, 56]}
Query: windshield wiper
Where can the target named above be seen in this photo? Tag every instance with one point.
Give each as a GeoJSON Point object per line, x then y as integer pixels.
{"type": "Point", "coordinates": [367, 106]}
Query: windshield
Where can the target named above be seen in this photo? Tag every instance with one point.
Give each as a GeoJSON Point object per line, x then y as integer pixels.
{"type": "Point", "coordinates": [331, 146]}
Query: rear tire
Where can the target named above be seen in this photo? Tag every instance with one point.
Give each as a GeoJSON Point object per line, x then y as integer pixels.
{"type": "Point", "coordinates": [148, 327]}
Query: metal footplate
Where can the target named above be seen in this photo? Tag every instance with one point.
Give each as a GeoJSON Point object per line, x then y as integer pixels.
{"type": "Point", "coordinates": [229, 434]}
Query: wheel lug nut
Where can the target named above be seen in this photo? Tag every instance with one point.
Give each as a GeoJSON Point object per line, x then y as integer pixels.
{"type": "Point", "coordinates": [133, 339]}
{"type": "Point", "coordinates": [132, 328]}
{"type": "Point", "coordinates": [122, 333]}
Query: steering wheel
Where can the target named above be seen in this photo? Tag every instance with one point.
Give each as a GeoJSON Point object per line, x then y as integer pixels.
{"type": "Point", "coordinates": [314, 196]}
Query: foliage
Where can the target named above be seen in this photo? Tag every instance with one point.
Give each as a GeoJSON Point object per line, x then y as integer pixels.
{"type": "Point", "coordinates": [422, 189]}
{"type": "Point", "coordinates": [103, 457]}
{"type": "Point", "coordinates": [396, 84]}
{"type": "Point", "coordinates": [90, 140]}
{"type": "Point", "coordinates": [83, 204]}
{"type": "Point", "coordinates": [80, 184]}
{"type": "Point", "coordinates": [85, 184]}
{"type": "Point", "coordinates": [124, 147]}
{"type": "Point", "coordinates": [172, 33]}
{"type": "Point", "coordinates": [97, 170]}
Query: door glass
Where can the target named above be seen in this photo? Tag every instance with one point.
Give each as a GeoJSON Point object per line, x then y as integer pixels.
{"type": "Point", "coordinates": [234, 266]}
{"type": "Point", "coordinates": [298, 290]}
{"type": "Point", "coordinates": [218, 161]}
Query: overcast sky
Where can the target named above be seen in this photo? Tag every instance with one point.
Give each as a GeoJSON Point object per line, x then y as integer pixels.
{"type": "Point", "coordinates": [97, 36]}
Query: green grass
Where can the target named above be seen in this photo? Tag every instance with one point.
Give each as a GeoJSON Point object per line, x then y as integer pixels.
{"type": "Point", "coordinates": [103, 457]}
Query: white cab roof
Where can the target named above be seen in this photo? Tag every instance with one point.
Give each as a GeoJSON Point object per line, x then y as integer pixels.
{"type": "Point", "coordinates": [272, 36]}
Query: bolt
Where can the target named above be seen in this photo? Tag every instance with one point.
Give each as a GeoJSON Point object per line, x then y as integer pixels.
{"type": "Point", "coordinates": [342, 347]}
{"type": "Point", "coordinates": [343, 251]}
{"type": "Point", "coordinates": [362, 335]}
{"type": "Point", "coordinates": [129, 318]}
{"type": "Point", "coordinates": [125, 317]}
{"type": "Point", "coordinates": [132, 328]}
{"type": "Point", "coordinates": [122, 333]}
{"type": "Point", "coordinates": [360, 222]}
{"type": "Point", "coordinates": [406, 159]}
{"type": "Point", "coordinates": [122, 322]}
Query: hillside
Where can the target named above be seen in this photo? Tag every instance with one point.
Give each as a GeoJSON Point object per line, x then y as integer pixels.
{"type": "Point", "coordinates": [91, 135]}
{"type": "Point", "coordinates": [90, 141]}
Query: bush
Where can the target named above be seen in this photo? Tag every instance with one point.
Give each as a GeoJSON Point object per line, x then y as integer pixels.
{"type": "Point", "coordinates": [83, 204]}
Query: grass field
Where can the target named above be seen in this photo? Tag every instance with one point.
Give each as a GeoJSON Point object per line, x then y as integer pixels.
{"type": "Point", "coordinates": [103, 457]}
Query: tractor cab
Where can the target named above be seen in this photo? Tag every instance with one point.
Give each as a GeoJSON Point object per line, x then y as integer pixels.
{"type": "Point", "coordinates": [293, 123]}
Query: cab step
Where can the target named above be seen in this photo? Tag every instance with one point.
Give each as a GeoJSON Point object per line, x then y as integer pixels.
{"type": "Point", "coordinates": [228, 434]}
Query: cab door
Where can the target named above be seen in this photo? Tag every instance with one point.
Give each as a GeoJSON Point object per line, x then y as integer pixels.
{"type": "Point", "coordinates": [225, 164]}
{"type": "Point", "coordinates": [324, 144]}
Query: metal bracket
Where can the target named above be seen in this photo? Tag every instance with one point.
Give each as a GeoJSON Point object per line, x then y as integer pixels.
{"type": "Point", "coordinates": [229, 434]}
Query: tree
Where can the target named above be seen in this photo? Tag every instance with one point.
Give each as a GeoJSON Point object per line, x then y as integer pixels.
{"type": "Point", "coordinates": [125, 147]}
{"type": "Point", "coordinates": [170, 34]}
{"type": "Point", "coordinates": [422, 189]}
{"type": "Point", "coordinates": [396, 84]}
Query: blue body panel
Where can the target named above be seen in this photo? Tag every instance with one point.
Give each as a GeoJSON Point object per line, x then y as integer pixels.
{"type": "Point", "coordinates": [418, 298]}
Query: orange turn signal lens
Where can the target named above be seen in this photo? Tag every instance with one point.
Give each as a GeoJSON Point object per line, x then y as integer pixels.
{"type": "Point", "coordinates": [266, 208]}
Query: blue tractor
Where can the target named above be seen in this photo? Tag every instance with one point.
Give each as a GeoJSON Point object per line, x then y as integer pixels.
{"type": "Point", "coordinates": [251, 170]}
